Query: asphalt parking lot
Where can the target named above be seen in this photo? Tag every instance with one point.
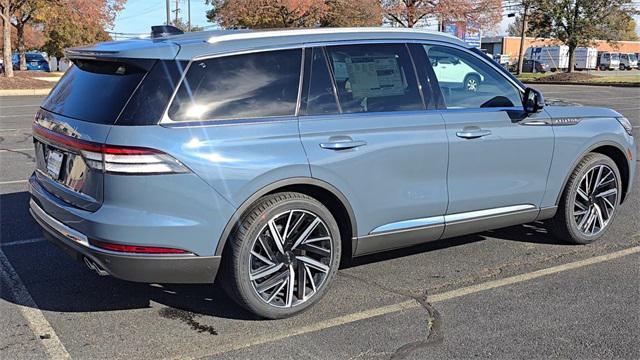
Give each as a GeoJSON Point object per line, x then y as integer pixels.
{"type": "Point", "coordinates": [509, 293]}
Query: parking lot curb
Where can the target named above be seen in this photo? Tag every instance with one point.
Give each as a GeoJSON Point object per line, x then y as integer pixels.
{"type": "Point", "coordinates": [24, 92]}
{"type": "Point", "coordinates": [582, 83]}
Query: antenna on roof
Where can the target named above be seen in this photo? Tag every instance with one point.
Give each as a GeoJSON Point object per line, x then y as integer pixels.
{"type": "Point", "coordinates": [164, 30]}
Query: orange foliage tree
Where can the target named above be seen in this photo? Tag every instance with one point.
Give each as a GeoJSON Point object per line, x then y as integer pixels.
{"type": "Point", "coordinates": [235, 14]}
{"type": "Point", "coordinates": [411, 13]}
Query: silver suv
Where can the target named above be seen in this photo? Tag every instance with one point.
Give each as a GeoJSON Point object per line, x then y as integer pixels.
{"type": "Point", "coordinates": [269, 157]}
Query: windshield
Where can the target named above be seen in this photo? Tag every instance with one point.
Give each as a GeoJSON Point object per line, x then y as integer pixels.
{"type": "Point", "coordinates": [632, 57]}
{"type": "Point", "coordinates": [615, 56]}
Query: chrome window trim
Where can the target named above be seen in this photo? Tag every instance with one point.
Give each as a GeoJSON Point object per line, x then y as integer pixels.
{"type": "Point", "coordinates": [166, 120]}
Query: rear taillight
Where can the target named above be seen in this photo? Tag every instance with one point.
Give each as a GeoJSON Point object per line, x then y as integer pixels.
{"type": "Point", "coordinates": [117, 159]}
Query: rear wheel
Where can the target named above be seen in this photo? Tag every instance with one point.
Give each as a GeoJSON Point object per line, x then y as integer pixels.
{"type": "Point", "coordinates": [283, 256]}
{"type": "Point", "coordinates": [589, 201]}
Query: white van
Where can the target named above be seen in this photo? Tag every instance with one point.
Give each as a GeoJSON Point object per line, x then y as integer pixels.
{"type": "Point", "coordinates": [628, 61]}
{"type": "Point", "coordinates": [608, 60]}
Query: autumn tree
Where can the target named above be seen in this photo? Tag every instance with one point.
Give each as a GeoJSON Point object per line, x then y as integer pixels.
{"type": "Point", "coordinates": [7, 9]}
{"type": "Point", "coordinates": [236, 14]}
{"type": "Point", "coordinates": [411, 13]}
{"type": "Point", "coordinates": [579, 22]}
{"type": "Point", "coordinates": [350, 13]}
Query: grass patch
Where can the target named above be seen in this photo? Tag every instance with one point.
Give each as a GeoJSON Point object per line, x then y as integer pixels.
{"type": "Point", "coordinates": [618, 79]}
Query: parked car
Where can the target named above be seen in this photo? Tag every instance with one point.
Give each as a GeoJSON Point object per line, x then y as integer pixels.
{"type": "Point", "coordinates": [628, 61]}
{"type": "Point", "coordinates": [269, 157]}
{"type": "Point", "coordinates": [534, 66]}
{"type": "Point", "coordinates": [453, 72]}
{"type": "Point", "coordinates": [35, 62]}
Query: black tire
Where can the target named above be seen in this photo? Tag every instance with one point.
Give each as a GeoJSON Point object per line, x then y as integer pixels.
{"type": "Point", "coordinates": [563, 226]}
{"type": "Point", "coordinates": [236, 258]}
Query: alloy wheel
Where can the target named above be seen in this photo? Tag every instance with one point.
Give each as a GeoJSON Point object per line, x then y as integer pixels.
{"type": "Point", "coordinates": [595, 200]}
{"type": "Point", "coordinates": [290, 258]}
{"type": "Point", "coordinates": [472, 84]}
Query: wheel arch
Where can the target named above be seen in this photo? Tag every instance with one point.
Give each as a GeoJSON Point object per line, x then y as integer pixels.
{"type": "Point", "coordinates": [322, 191]}
{"type": "Point", "coordinates": [612, 150]}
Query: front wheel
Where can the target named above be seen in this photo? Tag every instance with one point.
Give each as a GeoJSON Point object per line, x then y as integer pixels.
{"type": "Point", "coordinates": [589, 201]}
{"type": "Point", "coordinates": [283, 255]}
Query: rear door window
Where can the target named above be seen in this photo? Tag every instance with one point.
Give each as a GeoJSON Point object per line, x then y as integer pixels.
{"type": "Point", "coordinates": [255, 85]}
{"type": "Point", "coordinates": [94, 91]}
{"type": "Point", "coordinates": [318, 96]}
{"type": "Point", "coordinates": [374, 78]}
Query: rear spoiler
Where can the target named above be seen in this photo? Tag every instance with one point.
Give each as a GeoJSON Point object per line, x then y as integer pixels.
{"type": "Point", "coordinates": [79, 54]}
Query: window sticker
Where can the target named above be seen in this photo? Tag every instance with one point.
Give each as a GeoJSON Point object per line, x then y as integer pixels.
{"type": "Point", "coordinates": [374, 76]}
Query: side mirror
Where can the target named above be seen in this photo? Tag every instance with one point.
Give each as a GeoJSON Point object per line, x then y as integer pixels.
{"type": "Point", "coordinates": [533, 101]}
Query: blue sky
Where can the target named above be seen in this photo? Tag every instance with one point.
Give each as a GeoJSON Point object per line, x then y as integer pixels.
{"type": "Point", "coordinates": [139, 15]}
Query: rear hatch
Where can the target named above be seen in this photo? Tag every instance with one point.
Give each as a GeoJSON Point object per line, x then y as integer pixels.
{"type": "Point", "coordinates": [109, 84]}
{"type": "Point", "coordinates": [74, 122]}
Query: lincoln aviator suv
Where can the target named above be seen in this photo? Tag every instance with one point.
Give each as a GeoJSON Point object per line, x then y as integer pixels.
{"type": "Point", "coordinates": [264, 159]}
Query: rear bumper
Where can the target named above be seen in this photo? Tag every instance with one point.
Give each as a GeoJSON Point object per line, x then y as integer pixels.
{"type": "Point", "coordinates": [132, 267]}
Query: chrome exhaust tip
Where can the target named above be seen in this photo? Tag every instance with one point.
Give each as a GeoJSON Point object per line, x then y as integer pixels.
{"type": "Point", "coordinates": [95, 267]}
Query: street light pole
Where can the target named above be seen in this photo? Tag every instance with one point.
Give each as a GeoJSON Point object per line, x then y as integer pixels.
{"type": "Point", "coordinates": [189, 15]}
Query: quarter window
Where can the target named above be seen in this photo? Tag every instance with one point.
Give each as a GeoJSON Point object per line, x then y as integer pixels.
{"type": "Point", "coordinates": [468, 82]}
{"type": "Point", "coordinates": [242, 86]}
{"type": "Point", "coordinates": [374, 77]}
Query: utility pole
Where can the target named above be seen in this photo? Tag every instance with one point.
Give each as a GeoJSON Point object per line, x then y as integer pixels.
{"type": "Point", "coordinates": [189, 15]}
{"type": "Point", "coordinates": [177, 10]}
{"type": "Point", "coordinates": [168, 13]}
{"type": "Point", "coordinates": [523, 34]}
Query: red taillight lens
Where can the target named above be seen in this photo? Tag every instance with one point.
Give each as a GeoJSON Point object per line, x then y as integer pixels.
{"type": "Point", "coordinates": [136, 249]}
{"type": "Point", "coordinates": [115, 158]}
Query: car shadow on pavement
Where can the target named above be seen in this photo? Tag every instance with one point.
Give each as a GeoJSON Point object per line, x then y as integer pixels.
{"type": "Point", "coordinates": [58, 283]}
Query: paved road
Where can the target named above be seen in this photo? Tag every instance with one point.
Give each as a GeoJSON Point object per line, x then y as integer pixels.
{"type": "Point", "coordinates": [475, 296]}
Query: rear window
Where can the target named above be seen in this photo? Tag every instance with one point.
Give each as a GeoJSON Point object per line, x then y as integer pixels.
{"type": "Point", "coordinates": [254, 85]}
{"type": "Point", "coordinates": [94, 91]}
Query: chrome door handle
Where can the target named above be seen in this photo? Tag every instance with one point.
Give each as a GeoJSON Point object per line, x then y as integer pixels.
{"type": "Point", "coordinates": [343, 145]}
{"type": "Point", "coordinates": [473, 134]}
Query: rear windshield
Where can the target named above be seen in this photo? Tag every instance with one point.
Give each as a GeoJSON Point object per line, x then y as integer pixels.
{"type": "Point", "coordinates": [94, 91]}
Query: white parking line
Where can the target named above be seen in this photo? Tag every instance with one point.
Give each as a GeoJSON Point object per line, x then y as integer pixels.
{"type": "Point", "coordinates": [16, 115]}
{"type": "Point", "coordinates": [13, 182]}
{"type": "Point", "coordinates": [17, 129]}
{"type": "Point", "coordinates": [406, 305]}
{"type": "Point", "coordinates": [41, 328]}
{"type": "Point", "coordinates": [22, 242]}
{"type": "Point", "coordinates": [15, 106]}
{"type": "Point", "coordinates": [10, 150]}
